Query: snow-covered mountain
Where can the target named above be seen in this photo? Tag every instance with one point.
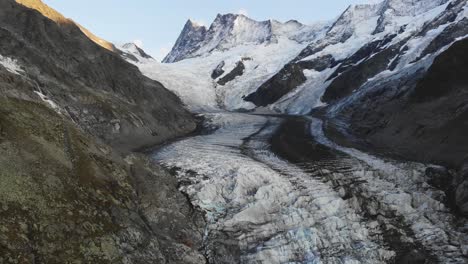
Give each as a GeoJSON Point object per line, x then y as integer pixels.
{"type": "Point", "coordinates": [217, 67]}
{"type": "Point", "coordinates": [132, 52]}
{"type": "Point", "coordinates": [370, 36]}
{"type": "Point", "coordinates": [239, 63]}
{"type": "Point", "coordinates": [231, 30]}
{"type": "Point", "coordinates": [188, 42]}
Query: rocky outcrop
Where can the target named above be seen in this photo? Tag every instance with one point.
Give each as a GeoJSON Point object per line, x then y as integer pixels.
{"type": "Point", "coordinates": [236, 72]}
{"type": "Point", "coordinates": [218, 71]}
{"type": "Point", "coordinates": [460, 186]}
{"type": "Point", "coordinates": [71, 112]}
{"type": "Point", "coordinates": [360, 67]}
{"type": "Point", "coordinates": [104, 94]}
{"type": "Point", "coordinates": [287, 79]}
{"type": "Point", "coordinates": [446, 75]}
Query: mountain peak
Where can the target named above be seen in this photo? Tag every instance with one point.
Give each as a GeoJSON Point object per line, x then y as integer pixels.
{"type": "Point", "coordinates": [189, 40]}
{"type": "Point", "coordinates": [231, 30]}
{"type": "Point", "coordinates": [194, 24]}
{"type": "Point", "coordinates": [133, 52]}
{"type": "Point", "coordinates": [226, 31]}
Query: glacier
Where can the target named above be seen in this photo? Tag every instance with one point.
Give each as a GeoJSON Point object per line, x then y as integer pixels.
{"type": "Point", "coordinates": [261, 208]}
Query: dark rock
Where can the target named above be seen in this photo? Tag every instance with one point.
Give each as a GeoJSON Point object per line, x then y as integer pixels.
{"type": "Point", "coordinates": [449, 35]}
{"type": "Point", "coordinates": [396, 61]}
{"type": "Point", "coordinates": [412, 257]}
{"type": "Point", "coordinates": [319, 64]}
{"type": "Point", "coordinates": [363, 53]}
{"type": "Point", "coordinates": [439, 177]}
{"type": "Point", "coordinates": [236, 72]}
{"type": "Point", "coordinates": [460, 190]}
{"type": "Point", "coordinates": [290, 77]}
{"type": "Point", "coordinates": [461, 198]}
{"type": "Point", "coordinates": [309, 51]}
{"type": "Point", "coordinates": [352, 78]}
{"type": "Point", "coordinates": [447, 75]}
{"type": "Point", "coordinates": [218, 71]}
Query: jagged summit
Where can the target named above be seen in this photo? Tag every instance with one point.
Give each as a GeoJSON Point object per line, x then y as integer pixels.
{"type": "Point", "coordinates": [133, 52]}
{"type": "Point", "coordinates": [231, 30]}
{"type": "Point", "coordinates": [194, 23]}
{"type": "Point", "coordinates": [189, 41]}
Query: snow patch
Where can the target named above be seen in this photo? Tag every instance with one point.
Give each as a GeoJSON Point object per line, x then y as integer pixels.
{"type": "Point", "coordinates": [11, 65]}
{"type": "Point", "coordinates": [49, 101]}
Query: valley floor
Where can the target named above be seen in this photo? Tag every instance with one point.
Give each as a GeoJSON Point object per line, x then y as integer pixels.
{"type": "Point", "coordinates": [275, 189]}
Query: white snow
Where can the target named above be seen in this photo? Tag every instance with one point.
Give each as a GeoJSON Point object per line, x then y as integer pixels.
{"type": "Point", "coordinates": [11, 65]}
{"type": "Point", "coordinates": [132, 49]}
{"type": "Point", "coordinates": [47, 100]}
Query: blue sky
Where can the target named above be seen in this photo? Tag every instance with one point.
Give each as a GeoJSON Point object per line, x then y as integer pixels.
{"type": "Point", "coordinates": [156, 24]}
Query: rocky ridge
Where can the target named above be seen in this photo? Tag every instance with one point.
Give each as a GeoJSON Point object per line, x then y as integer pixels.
{"type": "Point", "coordinates": [71, 113]}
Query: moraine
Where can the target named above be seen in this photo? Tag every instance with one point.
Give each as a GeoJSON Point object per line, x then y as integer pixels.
{"type": "Point", "coordinates": [274, 189]}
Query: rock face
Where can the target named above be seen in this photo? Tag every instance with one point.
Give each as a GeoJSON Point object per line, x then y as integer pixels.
{"type": "Point", "coordinates": [188, 42]}
{"type": "Point", "coordinates": [237, 71]}
{"type": "Point", "coordinates": [278, 86]}
{"type": "Point", "coordinates": [460, 185]}
{"type": "Point", "coordinates": [70, 113]}
{"type": "Point", "coordinates": [218, 71]}
{"type": "Point", "coordinates": [94, 87]}
{"type": "Point", "coordinates": [65, 197]}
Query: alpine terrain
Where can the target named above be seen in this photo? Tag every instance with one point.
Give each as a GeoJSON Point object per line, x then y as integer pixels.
{"type": "Point", "coordinates": [341, 141]}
